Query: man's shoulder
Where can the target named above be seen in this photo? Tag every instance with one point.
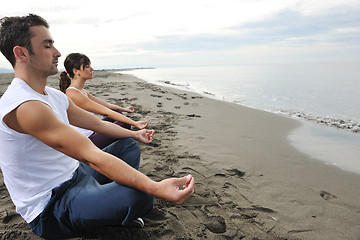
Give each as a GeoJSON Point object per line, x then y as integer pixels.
{"type": "Point", "coordinates": [18, 92]}
{"type": "Point", "coordinates": [13, 92]}
{"type": "Point", "coordinates": [17, 87]}
{"type": "Point", "coordinates": [57, 95]}
{"type": "Point", "coordinates": [53, 90]}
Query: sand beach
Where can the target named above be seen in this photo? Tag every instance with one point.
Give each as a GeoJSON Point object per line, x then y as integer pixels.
{"type": "Point", "coordinates": [251, 183]}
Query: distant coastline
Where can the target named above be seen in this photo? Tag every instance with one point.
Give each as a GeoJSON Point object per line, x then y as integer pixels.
{"type": "Point", "coordinates": [6, 70]}
{"type": "Point", "coordinates": [128, 69]}
{"type": "Point", "coordinates": [124, 69]}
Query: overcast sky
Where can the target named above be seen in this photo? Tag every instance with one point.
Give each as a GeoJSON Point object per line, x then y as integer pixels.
{"type": "Point", "coordinates": [156, 33]}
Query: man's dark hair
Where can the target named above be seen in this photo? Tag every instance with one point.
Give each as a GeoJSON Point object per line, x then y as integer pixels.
{"type": "Point", "coordinates": [15, 31]}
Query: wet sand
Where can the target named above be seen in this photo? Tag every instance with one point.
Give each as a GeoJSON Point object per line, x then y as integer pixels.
{"type": "Point", "coordinates": [250, 182]}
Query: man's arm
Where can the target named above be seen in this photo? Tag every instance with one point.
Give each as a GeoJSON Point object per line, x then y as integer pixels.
{"type": "Point", "coordinates": [37, 119]}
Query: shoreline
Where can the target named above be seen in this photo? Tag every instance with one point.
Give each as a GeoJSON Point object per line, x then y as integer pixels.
{"type": "Point", "coordinates": [329, 145]}
{"type": "Point", "coordinates": [342, 123]}
{"type": "Point", "coordinates": [250, 181]}
{"type": "Point", "coordinates": [335, 128]}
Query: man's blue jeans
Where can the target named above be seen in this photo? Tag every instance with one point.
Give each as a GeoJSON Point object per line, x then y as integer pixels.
{"type": "Point", "coordinates": [90, 199]}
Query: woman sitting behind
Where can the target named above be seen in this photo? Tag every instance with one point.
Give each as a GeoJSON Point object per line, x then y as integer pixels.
{"type": "Point", "coordinates": [77, 71]}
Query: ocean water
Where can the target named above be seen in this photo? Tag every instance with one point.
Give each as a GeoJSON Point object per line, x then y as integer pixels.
{"type": "Point", "coordinates": [322, 92]}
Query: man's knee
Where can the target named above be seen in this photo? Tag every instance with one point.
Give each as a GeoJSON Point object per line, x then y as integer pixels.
{"type": "Point", "coordinates": [127, 145]}
{"type": "Point", "coordinates": [132, 154]}
{"type": "Point", "coordinates": [132, 144]}
{"type": "Point", "coordinates": [139, 204]}
{"type": "Point", "coordinates": [142, 200]}
{"type": "Point", "coordinates": [126, 149]}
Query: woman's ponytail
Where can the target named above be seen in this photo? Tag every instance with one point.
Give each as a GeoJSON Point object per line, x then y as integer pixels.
{"type": "Point", "coordinates": [65, 81]}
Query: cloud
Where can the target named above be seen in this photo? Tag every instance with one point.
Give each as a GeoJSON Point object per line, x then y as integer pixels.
{"type": "Point", "coordinates": [287, 27]}
{"type": "Point", "coordinates": [174, 30]}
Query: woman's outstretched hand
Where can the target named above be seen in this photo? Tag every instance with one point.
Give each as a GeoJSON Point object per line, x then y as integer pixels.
{"type": "Point", "coordinates": [142, 124]}
{"type": "Point", "coordinates": [145, 136]}
{"type": "Point", "coordinates": [130, 109]}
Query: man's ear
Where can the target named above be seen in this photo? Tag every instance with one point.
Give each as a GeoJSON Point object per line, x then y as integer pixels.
{"type": "Point", "coordinates": [20, 53]}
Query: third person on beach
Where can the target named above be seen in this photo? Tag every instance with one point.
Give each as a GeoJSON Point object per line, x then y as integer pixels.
{"type": "Point", "coordinates": [77, 71]}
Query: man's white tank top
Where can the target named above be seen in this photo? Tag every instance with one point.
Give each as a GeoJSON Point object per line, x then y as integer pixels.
{"type": "Point", "coordinates": [31, 169]}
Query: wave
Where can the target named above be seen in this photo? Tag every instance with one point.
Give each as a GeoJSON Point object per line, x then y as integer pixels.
{"type": "Point", "coordinates": [346, 124]}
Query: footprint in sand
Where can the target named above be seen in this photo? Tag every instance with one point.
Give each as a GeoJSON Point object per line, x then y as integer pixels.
{"type": "Point", "coordinates": [193, 115]}
{"type": "Point", "coordinates": [183, 96]}
{"type": "Point", "coordinates": [216, 224]}
{"type": "Point", "coordinates": [330, 197]}
{"type": "Point", "coordinates": [7, 217]}
{"type": "Point", "coordinates": [153, 144]}
{"type": "Point", "coordinates": [157, 96]}
{"type": "Point", "coordinates": [236, 172]}
{"type": "Point", "coordinates": [3, 216]}
{"type": "Point", "coordinates": [156, 215]}
{"type": "Point", "coordinates": [327, 196]}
